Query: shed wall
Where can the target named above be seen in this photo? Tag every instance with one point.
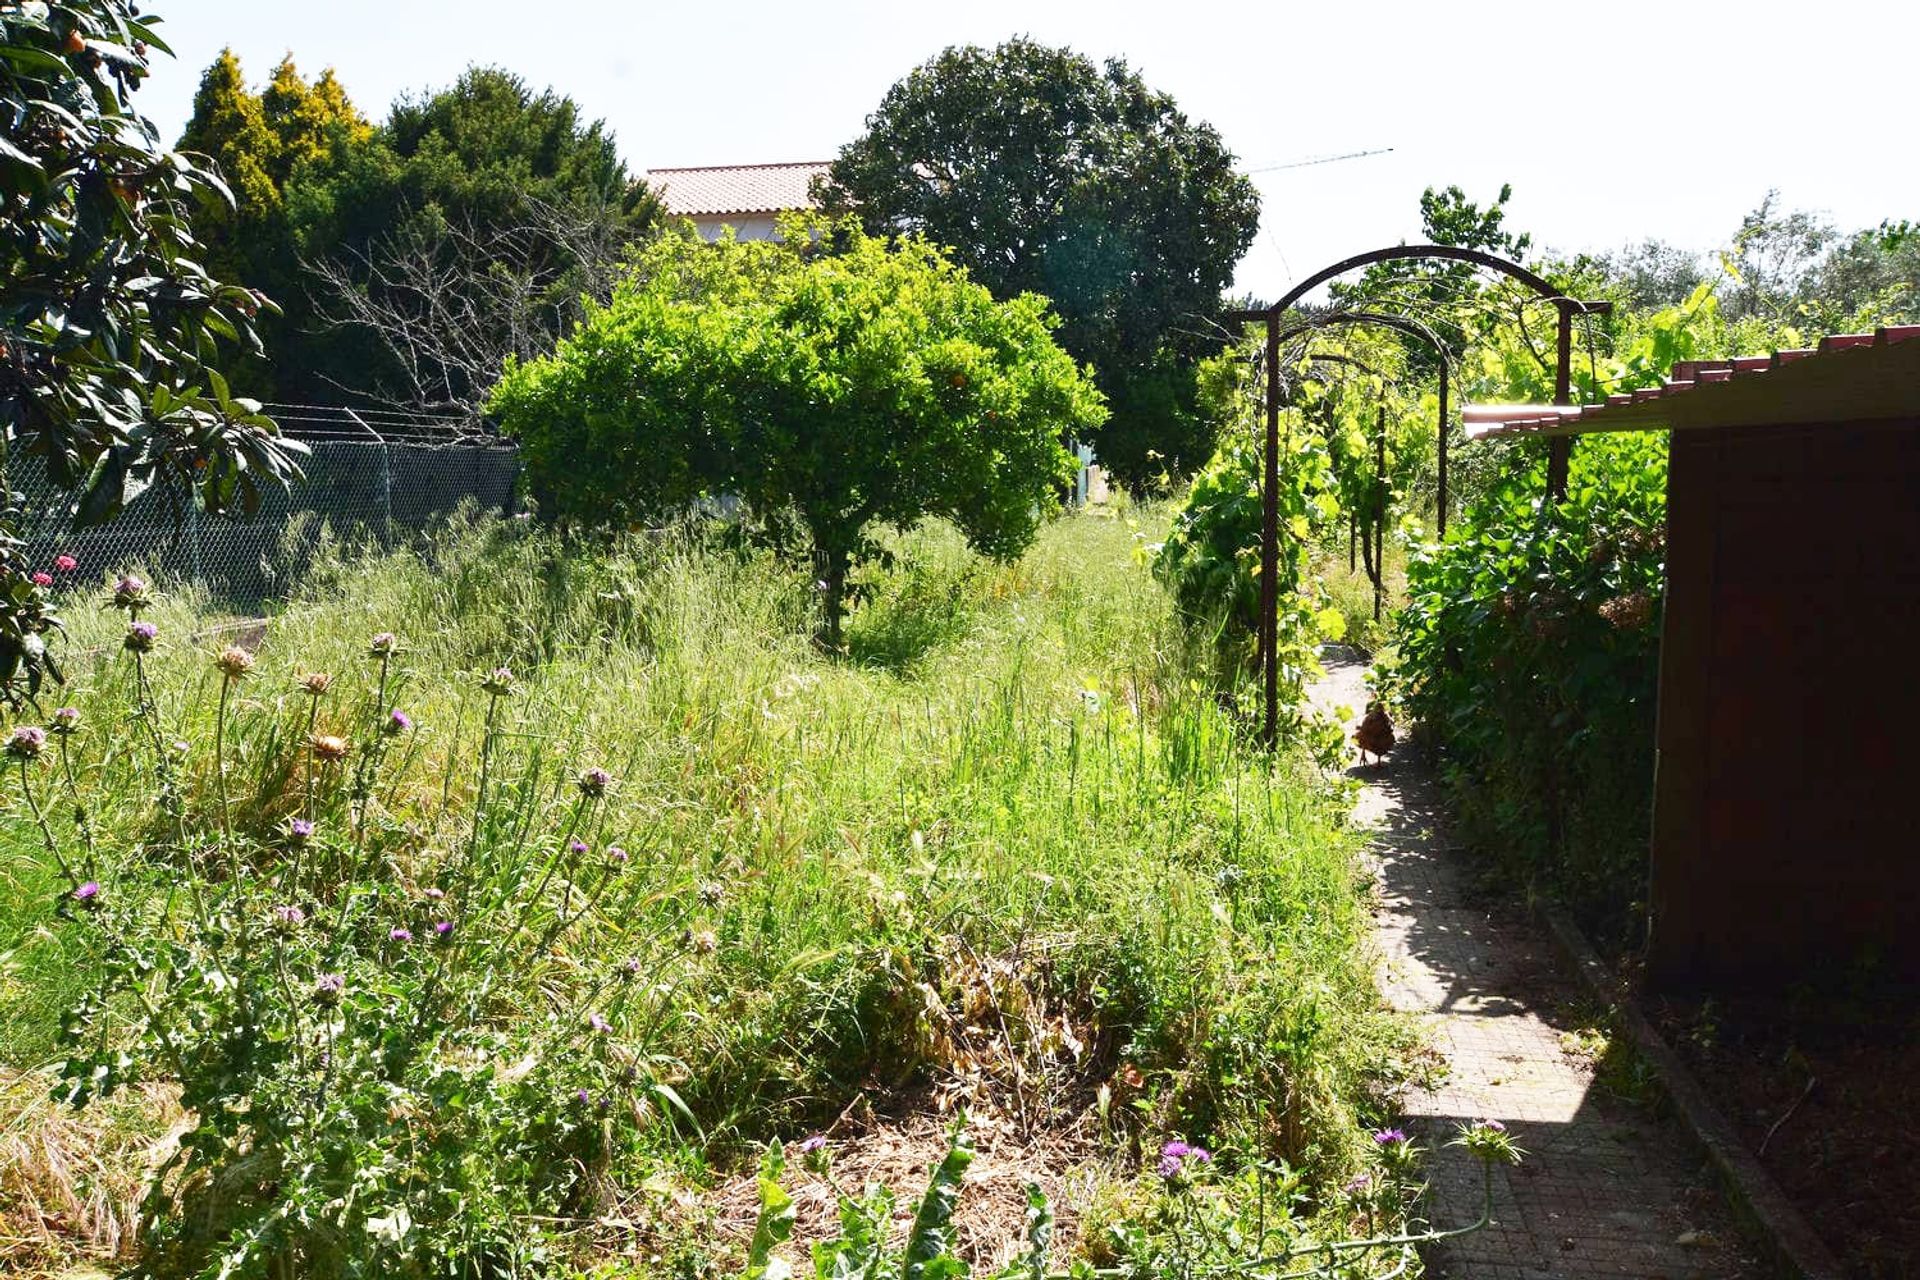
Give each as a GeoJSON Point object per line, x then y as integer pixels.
{"type": "Point", "coordinates": [1787, 797]}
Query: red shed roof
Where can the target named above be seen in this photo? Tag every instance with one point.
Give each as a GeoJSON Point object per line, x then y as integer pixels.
{"type": "Point", "coordinates": [1848, 377]}
{"type": "Point", "coordinates": [737, 188]}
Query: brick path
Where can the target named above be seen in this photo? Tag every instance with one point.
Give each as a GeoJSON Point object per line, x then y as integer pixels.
{"type": "Point", "coordinates": [1604, 1190]}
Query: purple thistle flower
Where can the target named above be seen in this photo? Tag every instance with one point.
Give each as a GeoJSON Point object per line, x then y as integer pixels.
{"type": "Point", "coordinates": [1494, 1125]}
{"type": "Point", "coordinates": [87, 892]}
{"type": "Point", "coordinates": [26, 742]}
{"type": "Point", "coordinates": [443, 928]}
{"type": "Point", "coordinates": [398, 722]}
{"type": "Point", "coordinates": [598, 1024]}
{"type": "Point", "coordinates": [595, 781]}
{"type": "Point", "coordinates": [289, 916]}
{"type": "Point", "coordinates": [616, 854]}
{"type": "Point", "coordinates": [813, 1144]}
{"type": "Point", "coordinates": [576, 847]}
{"type": "Point", "coordinates": [1388, 1137]}
{"type": "Point", "coordinates": [1200, 1155]}
{"type": "Point", "coordinates": [300, 830]}
{"type": "Point", "coordinates": [434, 892]}
{"type": "Point", "coordinates": [328, 987]}
{"type": "Point", "coordinates": [140, 636]}
{"type": "Point", "coordinates": [398, 934]}
{"type": "Point", "coordinates": [129, 593]}
{"type": "Point", "coordinates": [1169, 1167]}
{"type": "Point", "coordinates": [1177, 1149]}
{"type": "Point", "coordinates": [64, 719]}
{"type": "Point", "coordinates": [383, 644]}
{"type": "Point", "coordinates": [1360, 1184]}
{"type": "Point", "coordinates": [582, 1097]}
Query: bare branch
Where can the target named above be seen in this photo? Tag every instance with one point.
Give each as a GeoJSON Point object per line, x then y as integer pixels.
{"type": "Point", "coordinates": [449, 301]}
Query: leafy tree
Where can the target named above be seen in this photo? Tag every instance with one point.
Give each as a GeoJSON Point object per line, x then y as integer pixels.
{"type": "Point", "coordinates": [878, 384]}
{"type": "Point", "coordinates": [110, 329]}
{"type": "Point", "coordinates": [506, 202]}
{"type": "Point", "coordinates": [1446, 296]}
{"type": "Point", "coordinates": [1046, 173]}
{"type": "Point", "coordinates": [257, 141]}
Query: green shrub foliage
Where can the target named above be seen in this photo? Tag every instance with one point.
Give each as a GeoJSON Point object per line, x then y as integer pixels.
{"type": "Point", "coordinates": [873, 385]}
{"type": "Point", "coordinates": [1528, 650]}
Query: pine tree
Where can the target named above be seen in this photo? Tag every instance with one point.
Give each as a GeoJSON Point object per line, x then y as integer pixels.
{"type": "Point", "coordinates": [229, 126]}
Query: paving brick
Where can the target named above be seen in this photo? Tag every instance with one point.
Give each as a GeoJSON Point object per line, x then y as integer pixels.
{"type": "Point", "coordinates": [1604, 1190]}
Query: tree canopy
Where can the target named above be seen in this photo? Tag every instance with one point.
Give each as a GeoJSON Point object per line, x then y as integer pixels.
{"type": "Point", "coordinates": [414, 256]}
{"type": "Point", "coordinates": [1045, 172]}
{"type": "Point", "coordinates": [111, 330]}
{"type": "Point", "coordinates": [874, 385]}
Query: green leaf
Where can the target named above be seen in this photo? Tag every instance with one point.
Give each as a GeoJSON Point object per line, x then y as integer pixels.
{"type": "Point", "coordinates": [930, 1253]}
{"type": "Point", "coordinates": [774, 1225]}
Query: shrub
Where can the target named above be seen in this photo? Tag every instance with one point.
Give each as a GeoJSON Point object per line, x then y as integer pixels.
{"type": "Point", "coordinates": [1528, 651]}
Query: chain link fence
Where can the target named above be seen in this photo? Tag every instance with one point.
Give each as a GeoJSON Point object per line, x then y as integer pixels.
{"type": "Point", "coordinates": [372, 475]}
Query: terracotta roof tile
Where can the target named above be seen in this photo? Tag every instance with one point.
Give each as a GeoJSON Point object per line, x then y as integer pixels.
{"type": "Point", "coordinates": [737, 188]}
{"type": "Point", "coordinates": [1849, 375]}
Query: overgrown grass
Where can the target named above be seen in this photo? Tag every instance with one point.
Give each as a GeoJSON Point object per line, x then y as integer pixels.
{"type": "Point", "coordinates": [1009, 846]}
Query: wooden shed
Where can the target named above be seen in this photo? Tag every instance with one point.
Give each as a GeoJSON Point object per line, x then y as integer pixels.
{"type": "Point", "coordinates": [1786, 825]}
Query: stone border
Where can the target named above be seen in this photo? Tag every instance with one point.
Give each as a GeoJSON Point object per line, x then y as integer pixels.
{"type": "Point", "coordinates": [1771, 1218]}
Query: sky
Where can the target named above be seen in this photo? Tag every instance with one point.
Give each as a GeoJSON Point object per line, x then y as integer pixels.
{"type": "Point", "coordinates": [1614, 123]}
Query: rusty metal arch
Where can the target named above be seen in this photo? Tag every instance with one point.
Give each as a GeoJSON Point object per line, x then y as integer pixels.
{"type": "Point", "coordinates": [1413, 329]}
{"type": "Point", "coordinates": [1557, 458]}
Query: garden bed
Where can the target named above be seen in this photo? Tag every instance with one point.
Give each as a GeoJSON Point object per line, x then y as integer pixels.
{"type": "Point", "coordinates": [705, 888]}
{"type": "Point", "coordinates": [1821, 1103]}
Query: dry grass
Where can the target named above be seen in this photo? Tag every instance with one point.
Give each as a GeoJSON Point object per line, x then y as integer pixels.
{"type": "Point", "coordinates": [70, 1181]}
{"type": "Point", "coordinates": [898, 1145]}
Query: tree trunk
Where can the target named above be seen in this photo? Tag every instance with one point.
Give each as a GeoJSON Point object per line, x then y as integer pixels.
{"type": "Point", "coordinates": [832, 564]}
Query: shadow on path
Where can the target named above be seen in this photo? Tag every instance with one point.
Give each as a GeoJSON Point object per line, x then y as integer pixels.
{"type": "Point", "coordinates": [1605, 1190]}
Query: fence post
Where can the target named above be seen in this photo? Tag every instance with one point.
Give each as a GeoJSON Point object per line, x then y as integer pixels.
{"type": "Point", "coordinates": [386, 479]}
{"type": "Point", "coordinates": [193, 540]}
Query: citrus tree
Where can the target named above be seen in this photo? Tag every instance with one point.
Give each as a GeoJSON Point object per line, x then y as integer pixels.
{"type": "Point", "coordinates": [110, 327]}
{"type": "Point", "coordinates": [876, 384]}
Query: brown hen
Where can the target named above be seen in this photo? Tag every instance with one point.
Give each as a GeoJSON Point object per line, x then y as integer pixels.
{"type": "Point", "coordinates": [1375, 734]}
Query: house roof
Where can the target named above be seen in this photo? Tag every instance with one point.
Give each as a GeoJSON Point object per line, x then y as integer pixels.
{"type": "Point", "coordinates": [1848, 377]}
{"type": "Point", "coordinates": [737, 188]}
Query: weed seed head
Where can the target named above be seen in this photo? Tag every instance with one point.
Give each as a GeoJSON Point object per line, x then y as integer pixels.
{"type": "Point", "coordinates": [383, 645]}
{"type": "Point", "coordinates": [329, 747]}
{"type": "Point", "coordinates": [316, 682]}
{"type": "Point", "coordinates": [234, 662]}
